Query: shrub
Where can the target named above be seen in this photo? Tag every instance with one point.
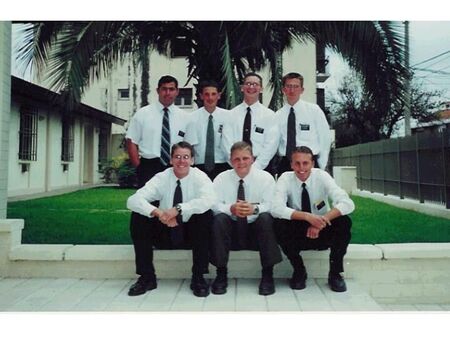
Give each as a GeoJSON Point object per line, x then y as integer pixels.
{"type": "Point", "coordinates": [119, 170]}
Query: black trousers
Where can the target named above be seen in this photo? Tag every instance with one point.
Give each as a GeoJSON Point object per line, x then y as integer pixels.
{"type": "Point", "coordinates": [292, 238]}
{"type": "Point", "coordinates": [218, 168]}
{"type": "Point", "coordinates": [257, 236]}
{"type": "Point", "coordinates": [147, 169]}
{"type": "Point", "coordinates": [150, 232]}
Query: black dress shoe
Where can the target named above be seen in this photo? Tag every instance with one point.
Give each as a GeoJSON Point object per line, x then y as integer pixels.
{"type": "Point", "coordinates": [220, 284]}
{"type": "Point", "coordinates": [336, 282]}
{"type": "Point", "coordinates": [142, 286]}
{"type": "Point", "coordinates": [266, 286]}
{"type": "Point", "coordinates": [298, 280]}
{"type": "Point", "coordinates": [199, 286]}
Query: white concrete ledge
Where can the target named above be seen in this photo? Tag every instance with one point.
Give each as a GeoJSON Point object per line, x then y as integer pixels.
{"type": "Point", "coordinates": [100, 253]}
{"type": "Point", "coordinates": [415, 250]}
{"type": "Point", "coordinates": [39, 252]}
{"type": "Point", "coordinates": [426, 208]}
{"type": "Point", "coordinates": [10, 225]}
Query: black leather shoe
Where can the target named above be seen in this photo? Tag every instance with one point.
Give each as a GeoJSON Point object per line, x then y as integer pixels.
{"type": "Point", "coordinates": [142, 286]}
{"type": "Point", "coordinates": [298, 280]}
{"type": "Point", "coordinates": [199, 286]}
{"type": "Point", "coordinates": [220, 284]}
{"type": "Point", "coordinates": [336, 282]}
{"type": "Point", "coordinates": [266, 286]}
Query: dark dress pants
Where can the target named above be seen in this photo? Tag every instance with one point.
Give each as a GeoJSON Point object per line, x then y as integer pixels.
{"type": "Point", "coordinates": [292, 238]}
{"type": "Point", "coordinates": [259, 235]}
{"type": "Point", "coordinates": [152, 233]}
{"type": "Point", "coordinates": [218, 168]}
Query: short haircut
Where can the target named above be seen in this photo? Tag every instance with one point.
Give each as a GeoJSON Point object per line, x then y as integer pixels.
{"type": "Point", "coordinates": [183, 145]}
{"type": "Point", "coordinates": [208, 83]}
{"type": "Point", "coordinates": [167, 79]}
{"type": "Point", "coordinates": [241, 145]}
{"type": "Point", "coordinates": [252, 74]}
{"type": "Point", "coordinates": [303, 150]}
{"type": "Point", "coordinates": [289, 76]}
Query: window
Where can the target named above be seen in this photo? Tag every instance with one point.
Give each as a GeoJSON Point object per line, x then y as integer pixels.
{"type": "Point", "coordinates": [123, 94]}
{"type": "Point", "coordinates": [67, 140]}
{"type": "Point", "coordinates": [184, 98]}
{"type": "Point", "coordinates": [28, 133]}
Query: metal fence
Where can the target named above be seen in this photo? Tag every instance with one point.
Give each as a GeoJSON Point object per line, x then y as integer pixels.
{"type": "Point", "coordinates": [416, 167]}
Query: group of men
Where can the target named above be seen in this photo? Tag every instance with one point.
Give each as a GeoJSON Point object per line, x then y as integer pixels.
{"type": "Point", "coordinates": [206, 183]}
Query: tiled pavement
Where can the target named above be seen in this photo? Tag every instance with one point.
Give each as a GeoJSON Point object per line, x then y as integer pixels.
{"type": "Point", "coordinates": [63, 294]}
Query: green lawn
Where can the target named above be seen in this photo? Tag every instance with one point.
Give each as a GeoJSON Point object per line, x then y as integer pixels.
{"type": "Point", "coordinates": [99, 216]}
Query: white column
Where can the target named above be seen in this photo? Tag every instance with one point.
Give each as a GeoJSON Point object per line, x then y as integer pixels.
{"type": "Point", "coordinates": [5, 109]}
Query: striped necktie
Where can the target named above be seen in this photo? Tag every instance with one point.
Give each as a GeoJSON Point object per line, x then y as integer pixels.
{"type": "Point", "coordinates": [165, 138]}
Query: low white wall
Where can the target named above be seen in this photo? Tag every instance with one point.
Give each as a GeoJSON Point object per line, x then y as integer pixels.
{"type": "Point", "coordinates": [391, 273]}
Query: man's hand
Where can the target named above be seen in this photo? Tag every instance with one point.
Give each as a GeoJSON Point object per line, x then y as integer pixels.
{"type": "Point", "coordinates": [312, 232]}
{"type": "Point", "coordinates": [318, 222]}
{"type": "Point", "coordinates": [168, 217]}
{"type": "Point", "coordinates": [242, 209]}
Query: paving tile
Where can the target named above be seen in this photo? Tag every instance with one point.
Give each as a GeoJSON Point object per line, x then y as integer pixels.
{"type": "Point", "coordinates": [225, 302]}
{"type": "Point", "coordinates": [123, 302]}
{"type": "Point", "coordinates": [6, 284]}
{"type": "Point", "coordinates": [21, 290]}
{"type": "Point", "coordinates": [446, 307]}
{"type": "Point", "coordinates": [428, 307]}
{"type": "Point", "coordinates": [68, 299]}
{"type": "Point", "coordinates": [284, 298]}
{"type": "Point", "coordinates": [102, 296]}
{"type": "Point", "coordinates": [247, 297]}
{"type": "Point", "coordinates": [399, 307]}
{"type": "Point", "coordinates": [185, 299]}
{"type": "Point", "coordinates": [162, 298]}
{"type": "Point", "coordinates": [312, 298]}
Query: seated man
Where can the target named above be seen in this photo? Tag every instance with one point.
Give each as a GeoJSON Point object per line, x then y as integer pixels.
{"type": "Point", "coordinates": [181, 221]}
{"type": "Point", "coordinates": [242, 218]}
{"type": "Point", "coordinates": [305, 221]}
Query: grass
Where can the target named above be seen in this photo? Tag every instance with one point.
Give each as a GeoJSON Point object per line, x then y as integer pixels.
{"type": "Point", "coordinates": [99, 216]}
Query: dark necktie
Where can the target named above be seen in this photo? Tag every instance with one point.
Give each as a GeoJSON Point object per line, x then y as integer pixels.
{"type": "Point", "coordinates": [306, 203]}
{"type": "Point", "coordinates": [177, 233]}
{"type": "Point", "coordinates": [209, 151]}
{"type": "Point", "coordinates": [291, 133]}
{"type": "Point", "coordinates": [247, 127]}
{"type": "Point", "coordinates": [241, 196]}
{"type": "Point", "coordinates": [165, 138]}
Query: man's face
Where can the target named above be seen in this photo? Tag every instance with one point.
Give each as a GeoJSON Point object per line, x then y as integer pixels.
{"type": "Point", "coordinates": [167, 93]}
{"type": "Point", "coordinates": [302, 164]}
{"type": "Point", "coordinates": [242, 161]}
{"type": "Point", "coordinates": [251, 88]}
{"type": "Point", "coordinates": [181, 161]}
{"type": "Point", "coordinates": [210, 96]}
{"type": "Point", "coordinates": [292, 89]}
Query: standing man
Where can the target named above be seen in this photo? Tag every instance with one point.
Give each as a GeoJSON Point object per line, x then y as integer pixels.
{"type": "Point", "coordinates": [154, 129]}
{"type": "Point", "coordinates": [253, 123]}
{"type": "Point", "coordinates": [301, 124]}
{"type": "Point", "coordinates": [242, 219]}
{"type": "Point", "coordinates": [305, 221]}
{"type": "Point", "coordinates": [181, 221]}
{"type": "Point", "coordinates": [205, 131]}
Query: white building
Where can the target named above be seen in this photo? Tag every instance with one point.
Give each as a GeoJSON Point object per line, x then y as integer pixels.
{"type": "Point", "coordinates": [49, 151]}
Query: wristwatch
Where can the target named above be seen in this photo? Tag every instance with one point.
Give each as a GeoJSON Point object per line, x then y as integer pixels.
{"type": "Point", "coordinates": [178, 207]}
{"type": "Point", "coordinates": [255, 210]}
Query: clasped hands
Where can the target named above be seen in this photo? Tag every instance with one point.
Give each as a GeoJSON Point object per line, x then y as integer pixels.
{"type": "Point", "coordinates": [167, 217]}
{"type": "Point", "coordinates": [242, 208]}
{"type": "Point", "coordinates": [318, 223]}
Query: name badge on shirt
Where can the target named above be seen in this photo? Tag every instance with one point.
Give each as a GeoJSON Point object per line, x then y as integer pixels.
{"type": "Point", "coordinates": [320, 205]}
{"type": "Point", "coordinates": [220, 128]}
{"type": "Point", "coordinates": [304, 126]}
{"type": "Point", "coordinates": [259, 130]}
{"type": "Point", "coordinates": [181, 133]}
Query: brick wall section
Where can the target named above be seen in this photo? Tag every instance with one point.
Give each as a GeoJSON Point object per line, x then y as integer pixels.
{"type": "Point", "coordinates": [5, 107]}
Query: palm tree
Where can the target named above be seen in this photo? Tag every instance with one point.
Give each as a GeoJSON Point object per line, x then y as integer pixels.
{"type": "Point", "coordinates": [71, 54]}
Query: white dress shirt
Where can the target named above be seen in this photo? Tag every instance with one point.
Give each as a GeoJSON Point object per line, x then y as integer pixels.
{"type": "Point", "coordinates": [197, 188]}
{"type": "Point", "coordinates": [259, 187]}
{"type": "Point", "coordinates": [312, 129]}
{"type": "Point", "coordinates": [321, 187]}
{"type": "Point", "coordinates": [264, 132]}
{"type": "Point", "coordinates": [146, 124]}
{"type": "Point", "coordinates": [197, 129]}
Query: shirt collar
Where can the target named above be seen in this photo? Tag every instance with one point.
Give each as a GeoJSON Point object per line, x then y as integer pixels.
{"type": "Point", "coordinates": [161, 107]}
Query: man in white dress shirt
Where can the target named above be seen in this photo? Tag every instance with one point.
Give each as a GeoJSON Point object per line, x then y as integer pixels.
{"type": "Point", "coordinates": [205, 131]}
{"type": "Point", "coordinates": [304, 220]}
{"type": "Point", "coordinates": [301, 124]}
{"type": "Point", "coordinates": [242, 219]}
{"type": "Point", "coordinates": [253, 123]}
{"type": "Point", "coordinates": [181, 220]}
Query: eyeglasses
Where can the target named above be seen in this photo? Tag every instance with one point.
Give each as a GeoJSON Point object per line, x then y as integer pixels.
{"type": "Point", "coordinates": [184, 157]}
{"type": "Point", "coordinates": [292, 86]}
{"type": "Point", "coordinates": [252, 84]}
